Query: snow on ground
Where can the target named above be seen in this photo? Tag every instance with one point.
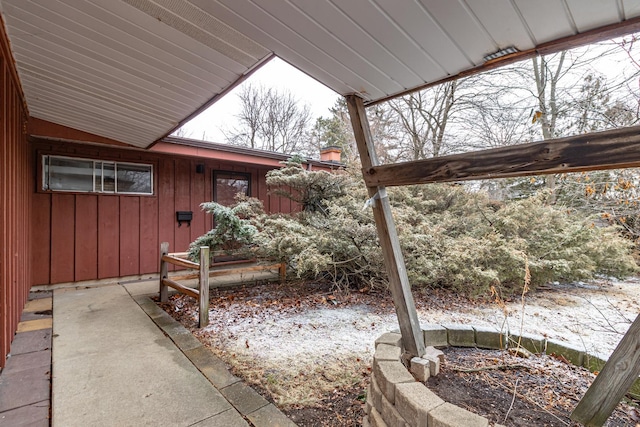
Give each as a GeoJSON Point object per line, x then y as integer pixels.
{"type": "Point", "coordinates": [589, 316]}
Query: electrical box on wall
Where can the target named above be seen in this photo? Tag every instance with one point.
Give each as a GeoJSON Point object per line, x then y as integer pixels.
{"type": "Point", "coordinates": [184, 216]}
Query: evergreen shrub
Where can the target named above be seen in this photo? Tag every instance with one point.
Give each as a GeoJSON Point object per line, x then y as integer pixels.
{"type": "Point", "coordinates": [451, 237]}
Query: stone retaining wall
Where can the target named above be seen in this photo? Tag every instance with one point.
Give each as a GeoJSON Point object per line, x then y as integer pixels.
{"type": "Point", "coordinates": [398, 397]}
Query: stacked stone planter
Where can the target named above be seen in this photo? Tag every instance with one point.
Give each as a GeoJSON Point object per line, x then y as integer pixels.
{"type": "Point", "coordinates": [398, 397]}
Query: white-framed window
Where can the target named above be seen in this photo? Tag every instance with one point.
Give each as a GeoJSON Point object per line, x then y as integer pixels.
{"type": "Point", "coordinates": [61, 173]}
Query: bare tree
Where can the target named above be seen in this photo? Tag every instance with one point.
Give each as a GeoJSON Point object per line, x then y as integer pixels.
{"type": "Point", "coordinates": [423, 118]}
{"type": "Point", "coordinates": [272, 120]}
{"type": "Point", "coordinates": [182, 132]}
{"type": "Point", "coordinates": [251, 116]}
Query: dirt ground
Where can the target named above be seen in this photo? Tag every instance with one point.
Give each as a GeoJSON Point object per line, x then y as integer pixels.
{"type": "Point", "coordinates": [534, 391]}
{"type": "Point", "coordinates": [309, 350]}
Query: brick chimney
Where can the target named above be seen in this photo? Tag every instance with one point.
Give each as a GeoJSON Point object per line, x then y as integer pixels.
{"type": "Point", "coordinates": [330, 154]}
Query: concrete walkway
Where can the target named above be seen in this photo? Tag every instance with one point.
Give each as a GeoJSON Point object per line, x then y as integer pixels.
{"type": "Point", "coordinates": [119, 360]}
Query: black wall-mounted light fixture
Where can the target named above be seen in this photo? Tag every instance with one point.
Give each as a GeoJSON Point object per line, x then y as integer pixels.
{"type": "Point", "coordinates": [184, 216]}
{"type": "Point", "coordinates": [200, 168]}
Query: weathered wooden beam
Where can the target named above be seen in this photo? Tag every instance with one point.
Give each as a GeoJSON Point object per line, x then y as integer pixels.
{"type": "Point", "coordinates": [618, 148]}
{"type": "Point", "coordinates": [412, 336]}
{"type": "Point", "coordinates": [227, 271]}
{"type": "Point", "coordinates": [183, 255]}
{"type": "Point", "coordinates": [181, 262]}
{"type": "Point", "coordinates": [181, 288]}
{"type": "Point", "coordinates": [611, 384]}
{"type": "Point", "coordinates": [203, 288]}
{"type": "Point", "coordinates": [189, 276]}
{"type": "Point", "coordinates": [164, 271]}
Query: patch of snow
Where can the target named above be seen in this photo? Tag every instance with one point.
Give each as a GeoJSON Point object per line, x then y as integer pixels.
{"type": "Point", "coordinates": [592, 318]}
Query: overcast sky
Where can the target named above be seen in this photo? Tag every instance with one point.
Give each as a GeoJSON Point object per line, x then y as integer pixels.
{"type": "Point", "coordinates": [276, 73]}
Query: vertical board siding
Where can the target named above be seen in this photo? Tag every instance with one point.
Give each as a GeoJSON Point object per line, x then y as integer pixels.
{"type": "Point", "coordinates": [41, 239]}
{"type": "Point", "coordinates": [86, 238]}
{"type": "Point", "coordinates": [149, 235]}
{"type": "Point", "coordinates": [108, 236]}
{"type": "Point", "coordinates": [16, 180]}
{"type": "Point", "coordinates": [198, 196]}
{"type": "Point", "coordinates": [129, 235]}
{"type": "Point", "coordinates": [166, 204]}
{"type": "Point", "coordinates": [183, 203]}
{"type": "Point", "coordinates": [89, 236]}
{"type": "Point", "coordinates": [63, 211]}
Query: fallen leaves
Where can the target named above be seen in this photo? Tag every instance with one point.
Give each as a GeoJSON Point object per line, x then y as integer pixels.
{"type": "Point", "coordinates": [547, 390]}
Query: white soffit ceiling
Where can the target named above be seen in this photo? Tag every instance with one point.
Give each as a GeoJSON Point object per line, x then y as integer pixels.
{"type": "Point", "coordinates": [128, 70]}
{"type": "Point", "coordinates": [132, 70]}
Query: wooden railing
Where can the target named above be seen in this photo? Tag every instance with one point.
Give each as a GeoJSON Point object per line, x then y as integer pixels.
{"type": "Point", "coordinates": [201, 294]}
{"type": "Point", "coordinates": [204, 273]}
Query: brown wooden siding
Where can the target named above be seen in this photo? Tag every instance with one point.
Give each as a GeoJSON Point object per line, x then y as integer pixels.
{"type": "Point", "coordinates": [16, 182]}
{"type": "Point", "coordinates": [91, 236]}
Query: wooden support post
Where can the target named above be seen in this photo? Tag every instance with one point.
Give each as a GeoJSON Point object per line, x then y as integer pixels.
{"type": "Point", "coordinates": [282, 270]}
{"type": "Point", "coordinates": [412, 336]}
{"type": "Point", "coordinates": [203, 300]}
{"type": "Point", "coordinates": [164, 272]}
{"type": "Point", "coordinates": [611, 384]}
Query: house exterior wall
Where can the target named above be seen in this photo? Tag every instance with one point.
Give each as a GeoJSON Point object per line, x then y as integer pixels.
{"type": "Point", "coordinates": [15, 185]}
{"type": "Point", "coordinates": [82, 236]}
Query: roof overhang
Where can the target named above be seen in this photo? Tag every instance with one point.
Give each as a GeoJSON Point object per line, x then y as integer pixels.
{"type": "Point", "coordinates": [134, 70]}
{"type": "Point", "coordinates": [233, 153]}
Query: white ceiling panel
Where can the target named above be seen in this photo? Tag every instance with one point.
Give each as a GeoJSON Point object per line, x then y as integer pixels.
{"type": "Point", "coordinates": [326, 69]}
{"type": "Point", "coordinates": [334, 24]}
{"type": "Point", "coordinates": [587, 14]}
{"type": "Point", "coordinates": [545, 19]}
{"type": "Point", "coordinates": [134, 25]}
{"type": "Point", "coordinates": [463, 28]}
{"type": "Point", "coordinates": [87, 47]}
{"type": "Point", "coordinates": [71, 77]}
{"type": "Point", "coordinates": [389, 39]}
{"type": "Point", "coordinates": [503, 22]}
{"type": "Point", "coordinates": [251, 17]}
{"type": "Point", "coordinates": [630, 9]}
{"type": "Point", "coordinates": [132, 70]}
{"type": "Point", "coordinates": [425, 32]}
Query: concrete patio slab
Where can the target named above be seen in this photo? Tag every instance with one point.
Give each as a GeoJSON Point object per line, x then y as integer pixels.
{"type": "Point", "coordinates": [27, 361]}
{"type": "Point", "coordinates": [112, 366]}
{"type": "Point", "coordinates": [35, 325]}
{"type": "Point", "coordinates": [244, 398]}
{"type": "Point", "coordinates": [211, 366]}
{"type": "Point", "coordinates": [27, 315]}
{"type": "Point", "coordinates": [27, 342]}
{"type": "Point", "coordinates": [34, 415]}
{"type": "Point", "coordinates": [24, 387]}
{"type": "Point", "coordinates": [269, 416]}
{"type": "Point", "coordinates": [38, 304]}
{"type": "Point", "coordinates": [228, 418]}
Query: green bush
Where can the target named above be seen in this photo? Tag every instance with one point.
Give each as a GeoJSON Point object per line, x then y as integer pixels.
{"type": "Point", "coordinates": [451, 237]}
{"type": "Point", "coordinates": [231, 233]}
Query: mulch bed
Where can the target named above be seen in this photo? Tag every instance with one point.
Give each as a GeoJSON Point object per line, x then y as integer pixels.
{"type": "Point", "coordinates": [546, 389]}
{"type": "Point", "coordinates": [344, 407]}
